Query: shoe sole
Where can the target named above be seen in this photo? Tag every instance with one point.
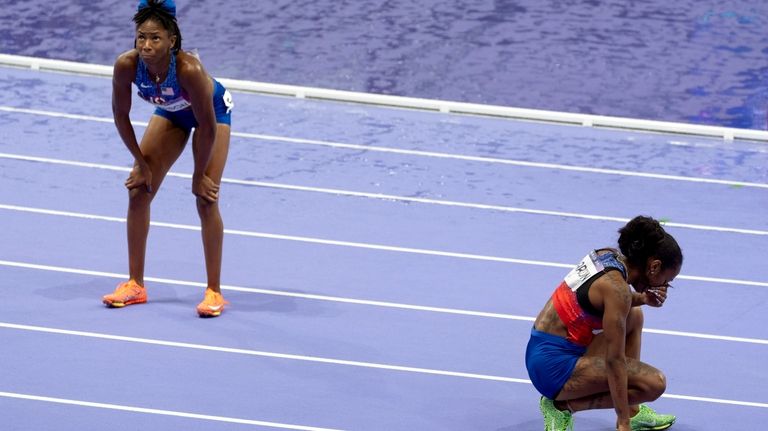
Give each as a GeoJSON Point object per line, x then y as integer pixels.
{"type": "Point", "coordinates": [209, 314]}
{"type": "Point", "coordinates": [658, 428]}
{"type": "Point", "coordinates": [114, 304]}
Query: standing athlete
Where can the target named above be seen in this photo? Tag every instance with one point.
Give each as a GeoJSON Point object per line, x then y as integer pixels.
{"type": "Point", "coordinates": [186, 98]}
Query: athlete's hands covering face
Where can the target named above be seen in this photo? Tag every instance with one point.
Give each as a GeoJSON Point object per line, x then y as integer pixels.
{"type": "Point", "coordinates": [656, 295]}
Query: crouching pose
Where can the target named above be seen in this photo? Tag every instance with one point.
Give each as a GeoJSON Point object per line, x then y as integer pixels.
{"type": "Point", "coordinates": [584, 349]}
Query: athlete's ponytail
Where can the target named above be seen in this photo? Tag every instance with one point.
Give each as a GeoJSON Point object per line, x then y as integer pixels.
{"type": "Point", "coordinates": [644, 237]}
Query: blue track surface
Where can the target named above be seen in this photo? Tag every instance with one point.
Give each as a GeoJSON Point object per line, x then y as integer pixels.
{"type": "Point", "coordinates": [442, 275]}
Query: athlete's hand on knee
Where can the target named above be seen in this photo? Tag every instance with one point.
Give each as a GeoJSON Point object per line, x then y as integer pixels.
{"type": "Point", "coordinates": [139, 177]}
{"type": "Point", "coordinates": [204, 187]}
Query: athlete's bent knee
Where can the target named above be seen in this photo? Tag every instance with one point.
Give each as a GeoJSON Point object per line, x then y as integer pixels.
{"type": "Point", "coordinates": [139, 198]}
{"type": "Point", "coordinates": [205, 208]}
{"type": "Point", "coordinates": [636, 319]}
{"type": "Point", "coordinates": [657, 385]}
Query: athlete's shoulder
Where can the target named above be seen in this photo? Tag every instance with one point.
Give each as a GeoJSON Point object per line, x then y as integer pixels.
{"type": "Point", "coordinates": [191, 73]}
{"type": "Point", "coordinates": [128, 58]}
{"type": "Point", "coordinates": [188, 62]}
{"type": "Point", "coordinates": [612, 284]}
{"type": "Point", "coordinates": [125, 66]}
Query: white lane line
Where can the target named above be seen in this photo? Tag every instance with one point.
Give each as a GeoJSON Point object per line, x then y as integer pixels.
{"type": "Point", "coordinates": [381, 196]}
{"type": "Point", "coordinates": [254, 290]}
{"type": "Point", "coordinates": [493, 160]}
{"type": "Point", "coordinates": [716, 400]}
{"type": "Point", "coordinates": [316, 359]}
{"type": "Point", "coordinates": [420, 153]}
{"type": "Point", "coordinates": [500, 208]}
{"type": "Point", "coordinates": [259, 353]}
{"type": "Point", "coordinates": [145, 410]}
{"type": "Point", "coordinates": [366, 302]}
{"type": "Point", "coordinates": [352, 244]}
{"type": "Point", "coordinates": [292, 238]}
{"type": "Point", "coordinates": [75, 163]}
{"type": "Point", "coordinates": [68, 116]}
{"type": "Point", "coordinates": [707, 336]}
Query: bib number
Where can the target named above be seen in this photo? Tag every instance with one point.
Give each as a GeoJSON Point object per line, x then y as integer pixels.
{"type": "Point", "coordinates": [228, 102]}
{"type": "Point", "coordinates": [588, 267]}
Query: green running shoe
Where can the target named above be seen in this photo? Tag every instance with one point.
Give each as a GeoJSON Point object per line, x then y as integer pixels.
{"type": "Point", "coordinates": [648, 420]}
{"type": "Point", "coordinates": [554, 419]}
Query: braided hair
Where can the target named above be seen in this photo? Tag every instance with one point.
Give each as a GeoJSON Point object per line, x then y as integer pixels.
{"type": "Point", "coordinates": [644, 237]}
{"type": "Point", "coordinates": [163, 12]}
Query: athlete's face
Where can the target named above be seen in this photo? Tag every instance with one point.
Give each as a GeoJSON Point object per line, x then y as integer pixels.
{"type": "Point", "coordinates": [153, 41]}
{"type": "Point", "coordinates": [655, 277]}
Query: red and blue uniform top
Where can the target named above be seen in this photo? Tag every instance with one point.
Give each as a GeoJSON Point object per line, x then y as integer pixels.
{"type": "Point", "coordinates": [571, 298]}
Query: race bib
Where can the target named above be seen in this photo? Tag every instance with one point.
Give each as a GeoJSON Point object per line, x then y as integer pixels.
{"type": "Point", "coordinates": [588, 267]}
{"type": "Point", "coordinates": [175, 105]}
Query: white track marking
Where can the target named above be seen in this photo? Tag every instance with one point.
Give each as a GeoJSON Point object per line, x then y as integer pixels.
{"type": "Point", "coordinates": [495, 160]}
{"type": "Point", "coordinates": [249, 352]}
{"type": "Point", "coordinates": [715, 400]}
{"type": "Point", "coordinates": [384, 304]}
{"type": "Point", "coordinates": [381, 196]}
{"type": "Point", "coordinates": [145, 410]}
{"type": "Point", "coordinates": [419, 153]}
{"type": "Point", "coordinates": [316, 359]}
{"type": "Point", "coordinates": [352, 244]}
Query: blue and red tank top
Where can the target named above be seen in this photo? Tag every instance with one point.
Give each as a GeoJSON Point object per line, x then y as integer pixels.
{"type": "Point", "coordinates": [166, 95]}
{"type": "Point", "coordinates": [571, 300]}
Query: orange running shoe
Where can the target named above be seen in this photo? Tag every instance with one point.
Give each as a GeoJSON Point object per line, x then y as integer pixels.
{"type": "Point", "coordinates": [126, 293]}
{"type": "Point", "coordinates": [212, 305]}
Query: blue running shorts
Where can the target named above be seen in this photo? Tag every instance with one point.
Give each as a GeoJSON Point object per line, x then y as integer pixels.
{"type": "Point", "coordinates": [550, 360]}
{"type": "Point", "coordinates": [185, 119]}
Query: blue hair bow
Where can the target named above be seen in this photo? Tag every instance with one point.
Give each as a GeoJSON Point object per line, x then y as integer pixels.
{"type": "Point", "coordinates": [168, 5]}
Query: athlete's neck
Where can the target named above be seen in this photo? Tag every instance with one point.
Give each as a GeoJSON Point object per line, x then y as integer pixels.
{"type": "Point", "coordinates": [159, 70]}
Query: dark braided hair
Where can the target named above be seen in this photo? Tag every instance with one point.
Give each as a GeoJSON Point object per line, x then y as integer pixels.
{"type": "Point", "coordinates": [644, 237]}
{"type": "Point", "coordinates": [156, 10]}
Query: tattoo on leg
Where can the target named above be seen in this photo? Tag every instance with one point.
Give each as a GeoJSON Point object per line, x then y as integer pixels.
{"type": "Point", "coordinates": [594, 402]}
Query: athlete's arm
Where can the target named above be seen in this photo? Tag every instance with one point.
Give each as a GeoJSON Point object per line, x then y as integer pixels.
{"type": "Point", "coordinates": [639, 299]}
{"type": "Point", "coordinates": [123, 75]}
{"type": "Point", "coordinates": [617, 301]}
{"type": "Point", "coordinates": [199, 88]}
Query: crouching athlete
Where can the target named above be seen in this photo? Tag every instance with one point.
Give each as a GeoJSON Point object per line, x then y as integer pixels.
{"type": "Point", "coordinates": [584, 349]}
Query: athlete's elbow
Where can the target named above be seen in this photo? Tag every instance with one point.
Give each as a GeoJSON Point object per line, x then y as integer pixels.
{"type": "Point", "coordinates": [121, 118]}
{"type": "Point", "coordinates": [616, 362]}
{"type": "Point", "coordinates": [206, 126]}
{"type": "Point", "coordinates": [120, 110]}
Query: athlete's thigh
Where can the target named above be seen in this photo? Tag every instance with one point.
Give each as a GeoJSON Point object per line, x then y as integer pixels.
{"type": "Point", "coordinates": [599, 345]}
{"type": "Point", "coordinates": [162, 145]}
{"type": "Point", "coordinates": [215, 168]}
{"type": "Point", "coordinates": [590, 376]}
